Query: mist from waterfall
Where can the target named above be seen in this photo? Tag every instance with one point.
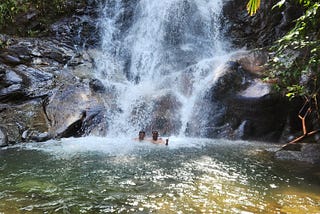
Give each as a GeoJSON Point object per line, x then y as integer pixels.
{"type": "Point", "coordinates": [159, 59]}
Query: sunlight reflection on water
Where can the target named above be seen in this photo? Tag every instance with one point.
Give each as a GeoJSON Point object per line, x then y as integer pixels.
{"type": "Point", "coordinates": [103, 175]}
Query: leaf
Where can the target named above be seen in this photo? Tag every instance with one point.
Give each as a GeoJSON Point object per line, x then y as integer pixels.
{"type": "Point", "coordinates": [279, 4]}
{"type": "Point", "coordinates": [253, 6]}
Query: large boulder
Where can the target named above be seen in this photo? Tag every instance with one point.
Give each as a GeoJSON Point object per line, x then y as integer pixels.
{"type": "Point", "coordinates": [252, 110]}
{"type": "Point", "coordinates": [166, 117]}
{"type": "Point", "coordinates": [74, 110]}
{"type": "Point", "coordinates": [159, 112]}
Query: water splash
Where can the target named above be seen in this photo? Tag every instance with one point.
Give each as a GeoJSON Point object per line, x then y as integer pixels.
{"type": "Point", "coordinates": [168, 52]}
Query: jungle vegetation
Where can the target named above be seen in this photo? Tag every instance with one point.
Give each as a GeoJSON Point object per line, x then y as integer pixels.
{"type": "Point", "coordinates": [45, 11]}
{"type": "Point", "coordinates": [295, 63]}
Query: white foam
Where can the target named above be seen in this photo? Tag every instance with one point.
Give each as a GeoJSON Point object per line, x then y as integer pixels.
{"type": "Point", "coordinates": [165, 40]}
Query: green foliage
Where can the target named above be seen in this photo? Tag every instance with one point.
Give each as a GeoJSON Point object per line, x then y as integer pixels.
{"type": "Point", "coordinates": [253, 6]}
{"type": "Point", "coordinates": [8, 9]}
{"type": "Point", "coordinates": [47, 10]}
{"type": "Point", "coordinates": [296, 60]}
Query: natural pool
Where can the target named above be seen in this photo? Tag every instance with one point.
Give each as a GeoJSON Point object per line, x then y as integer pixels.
{"type": "Point", "coordinates": [102, 175]}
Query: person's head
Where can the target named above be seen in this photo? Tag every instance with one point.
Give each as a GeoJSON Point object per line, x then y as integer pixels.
{"type": "Point", "coordinates": [142, 134]}
{"type": "Point", "coordinates": [155, 135]}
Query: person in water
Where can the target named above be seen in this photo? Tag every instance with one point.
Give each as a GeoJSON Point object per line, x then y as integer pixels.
{"type": "Point", "coordinates": [142, 135]}
{"type": "Point", "coordinates": [156, 140]}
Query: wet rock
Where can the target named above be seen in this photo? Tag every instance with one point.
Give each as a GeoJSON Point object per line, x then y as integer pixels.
{"type": "Point", "coordinates": [39, 137]}
{"type": "Point", "coordinates": [253, 61]}
{"type": "Point", "coordinates": [96, 122]}
{"type": "Point", "coordinates": [32, 70]}
{"type": "Point", "coordinates": [71, 108]}
{"type": "Point", "coordinates": [161, 113]}
{"type": "Point", "coordinates": [80, 29]}
{"type": "Point", "coordinates": [264, 117]}
{"type": "Point", "coordinates": [18, 118]}
{"type": "Point", "coordinates": [253, 111]}
{"type": "Point", "coordinates": [11, 77]}
{"type": "Point", "coordinates": [292, 147]}
{"type": "Point", "coordinates": [309, 152]}
{"type": "Point", "coordinates": [9, 59]}
{"type": "Point", "coordinates": [165, 116]}
{"type": "Point", "coordinates": [12, 93]}
{"type": "Point", "coordinates": [3, 137]}
{"type": "Point", "coordinates": [97, 86]}
{"type": "Point", "coordinates": [26, 50]}
{"type": "Point", "coordinates": [23, 83]}
{"type": "Point", "coordinates": [256, 89]}
{"type": "Point", "coordinates": [233, 80]}
{"type": "Point", "coordinates": [33, 75]}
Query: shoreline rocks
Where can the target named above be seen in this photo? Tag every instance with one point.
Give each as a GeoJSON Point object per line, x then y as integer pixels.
{"type": "Point", "coordinates": [303, 152]}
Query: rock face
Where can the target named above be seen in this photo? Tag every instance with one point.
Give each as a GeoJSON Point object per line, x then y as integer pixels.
{"type": "Point", "coordinates": [251, 110]}
{"type": "Point", "coordinates": [46, 85]}
{"type": "Point", "coordinates": [263, 28]}
{"type": "Point", "coordinates": [72, 109]}
{"type": "Point", "coordinates": [43, 99]}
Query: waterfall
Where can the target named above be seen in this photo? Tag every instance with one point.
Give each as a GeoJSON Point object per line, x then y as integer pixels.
{"type": "Point", "coordinates": [158, 60]}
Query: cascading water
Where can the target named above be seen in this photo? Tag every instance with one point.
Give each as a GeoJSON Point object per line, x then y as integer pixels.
{"type": "Point", "coordinates": [159, 59]}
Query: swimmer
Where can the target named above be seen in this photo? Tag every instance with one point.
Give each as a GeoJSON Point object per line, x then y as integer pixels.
{"type": "Point", "coordinates": [142, 135]}
{"type": "Point", "coordinates": [157, 140]}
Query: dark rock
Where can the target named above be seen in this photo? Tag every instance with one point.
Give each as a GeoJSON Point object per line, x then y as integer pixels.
{"type": "Point", "coordinates": [309, 152]}
{"type": "Point", "coordinates": [36, 83]}
{"type": "Point", "coordinates": [3, 137]}
{"type": "Point", "coordinates": [34, 75]}
{"type": "Point", "coordinates": [264, 117]}
{"type": "Point", "coordinates": [292, 147]}
{"type": "Point", "coordinates": [166, 117]}
{"type": "Point", "coordinates": [68, 111]}
{"type": "Point", "coordinates": [27, 115]}
{"type": "Point", "coordinates": [80, 29]}
{"type": "Point", "coordinates": [252, 111]}
{"type": "Point", "coordinates": [24, 83]}
{"type": "Point", "coordinates": [228, 84]}
{"type": "Point", "coordinates": [9, 59]}
{"type": "Point", "coordinates": [97, 86]}
{"type": "Point", "coordinates": [263, 28]}
{"type": "Point", "coordinates": [95, 123]}
{"type": "Point", "coordinates": [162, 114]}
{"type": "Point", "coordinates": [12, 93]}
{"type": "Point", "coordinates": [74, 129]}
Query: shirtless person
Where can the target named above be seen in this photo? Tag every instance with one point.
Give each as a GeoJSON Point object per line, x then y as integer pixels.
{"type": "Point", "coordinates": [157, 140]}
{"type": "Point", "coordinates": [141, 137]}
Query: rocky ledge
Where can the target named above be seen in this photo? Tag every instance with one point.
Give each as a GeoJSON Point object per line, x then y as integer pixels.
{"type": "Point", "coordinates": [47, 91]}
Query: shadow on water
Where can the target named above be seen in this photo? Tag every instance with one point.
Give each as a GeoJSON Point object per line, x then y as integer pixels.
{"type": "Point", "coordinates": [105, 175]}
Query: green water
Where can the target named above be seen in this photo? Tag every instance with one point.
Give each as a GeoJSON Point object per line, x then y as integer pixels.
{"type": "Point", "coordinates": [100, 175]}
